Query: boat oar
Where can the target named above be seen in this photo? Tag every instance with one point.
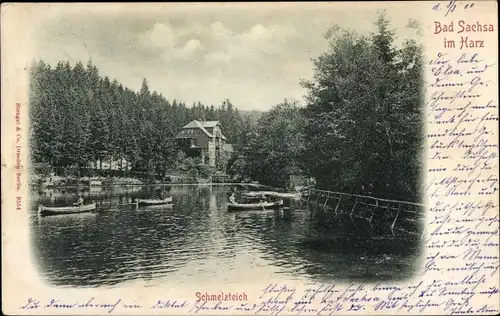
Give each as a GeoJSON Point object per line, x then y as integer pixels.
{"type": "Point", "coordinates": [126, 204]}
{"type": "Point", "coordinates": [107, 202]}
{"type": "Point", "coordinates": [123, 204]}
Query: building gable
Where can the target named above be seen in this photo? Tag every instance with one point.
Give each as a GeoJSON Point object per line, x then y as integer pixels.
{"type": "Point", "coordinates": [206, 127]}
{"type": "Point", "coordinates": [191, 126]}
{"type": "Point", "coordinates": [210, 124]}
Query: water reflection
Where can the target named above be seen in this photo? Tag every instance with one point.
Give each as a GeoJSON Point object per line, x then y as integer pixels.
{"type": "Point", "coordinates": [196, 238]}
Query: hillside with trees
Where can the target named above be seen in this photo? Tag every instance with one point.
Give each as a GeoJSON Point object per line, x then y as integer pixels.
{"type": "Point", "coordinates": [79, 117]}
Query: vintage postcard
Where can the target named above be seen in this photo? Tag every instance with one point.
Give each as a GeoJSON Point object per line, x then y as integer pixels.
{"type": "Point", "coordinates": [305, 158]}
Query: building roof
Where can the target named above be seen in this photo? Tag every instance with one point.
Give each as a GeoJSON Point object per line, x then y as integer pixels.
{"type": "Point", "coordinates": [210, 124]}
{"type": "Point", "coordinates": [203, 125]}
{"type": "Point", "coordinates": [187, 130]}
{"type": "Point", "coordinates": [206, 124]}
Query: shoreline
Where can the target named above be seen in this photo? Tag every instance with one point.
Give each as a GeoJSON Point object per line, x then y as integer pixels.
{"type": "Point", "coordinates": [55, 181]}
{"type": "Point", "coordinates": [38, 186]}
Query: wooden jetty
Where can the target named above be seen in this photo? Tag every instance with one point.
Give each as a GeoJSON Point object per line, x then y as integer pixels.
{"type": "Point", "coordinates": [257, 194]}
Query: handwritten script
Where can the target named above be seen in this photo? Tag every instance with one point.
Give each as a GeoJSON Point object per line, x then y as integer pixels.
{"type": "Point", "coordinates": [276, 299]}
{"type": "Point", "coordinates": [461, 238]}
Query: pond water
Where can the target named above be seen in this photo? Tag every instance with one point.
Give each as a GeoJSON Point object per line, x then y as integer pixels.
{"type": "Point", "coordinates": [197, 237]}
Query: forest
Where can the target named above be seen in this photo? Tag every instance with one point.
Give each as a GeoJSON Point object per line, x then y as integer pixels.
{"type": "Point", "coordinates": [78, 117]}
{"type": "Point", "coordinates": [360, 129]}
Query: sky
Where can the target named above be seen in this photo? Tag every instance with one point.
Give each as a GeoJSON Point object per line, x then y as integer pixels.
{"type": "Point", "coordinates": [252, 54]}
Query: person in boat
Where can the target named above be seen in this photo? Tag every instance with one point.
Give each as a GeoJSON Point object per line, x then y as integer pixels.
{"type": "Point", "coordinates": [79, 202]}
{"type": "Point", "coordinates": [232, 198]}
{"type": "Point", "coordinates": [161, 195]}
{"type": "Point", "coordinates": [263, 198]}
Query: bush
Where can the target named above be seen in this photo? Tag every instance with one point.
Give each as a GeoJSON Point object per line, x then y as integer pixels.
{"type": "Point", "coordinates": [205, 171]}
{"type": "Point", "coordinates": [42, 169]}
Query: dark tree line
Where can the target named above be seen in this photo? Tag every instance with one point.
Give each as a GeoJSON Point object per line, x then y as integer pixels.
{"type": "Point", "coordinates": [364, 116]}
{"type": "Point", "coordinates": [273, 149]}
{"type": "Point", "coordinates": [79, 117]}
{"type": "Point", "coordinates": [361, 128]}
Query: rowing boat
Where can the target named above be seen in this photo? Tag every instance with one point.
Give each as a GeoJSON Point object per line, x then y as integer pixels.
{"type": "Point", "coordinates": [153, 201]}
{"type": "Point", "coordinates": [157, 206]}
{"type": "Point", "coordinates": [47, 210]}
{"type": "Point", "coordinates": [254, 206]}
{"type": "Point", "coordinates": [258, 194]}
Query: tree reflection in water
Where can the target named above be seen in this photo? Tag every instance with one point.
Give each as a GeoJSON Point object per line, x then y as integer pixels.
{"type": "Point", "coordinates": [332, 248]}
